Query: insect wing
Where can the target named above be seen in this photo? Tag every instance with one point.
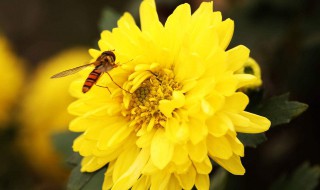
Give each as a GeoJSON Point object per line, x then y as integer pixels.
{"type": "Point", "coordinates": [70, 71]}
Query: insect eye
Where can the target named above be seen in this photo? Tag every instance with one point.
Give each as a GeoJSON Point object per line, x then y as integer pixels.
{"type": "Point", "coordinates": [109, 53]}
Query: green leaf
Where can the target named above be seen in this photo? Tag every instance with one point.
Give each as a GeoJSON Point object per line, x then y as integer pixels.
{"type": "Point", "coordinates": [279, 110]}
{"type": "Point", "coordinates": [96, 181]}
{"type": "Point", "coordinates": [305, 177]}
{"type": "Point", "coordinates": [78, 179]}
{"type": "Point", "coordinates": [252, 140]}
{"type": "Point", "coordinates": [63, 141]}
{"type": "Point", "coordinates": [219, 179]}
{"type": "Point", "coordinates": [85, 180]}
{"type": "Point", "coordinates": [108, 19]}
{"type": "Point", "coordinates": [74, 159]}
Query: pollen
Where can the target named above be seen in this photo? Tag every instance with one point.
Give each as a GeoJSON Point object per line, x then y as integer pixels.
{"type": "Point", "coordinates": [143, 110]}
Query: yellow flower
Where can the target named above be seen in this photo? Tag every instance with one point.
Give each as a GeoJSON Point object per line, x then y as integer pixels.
{"type": "Point", "coordinates": [183, 108]}
{"type": "Point", "coordinates": [43, 112]}
{"type": "Point", "coordinates": [11, 76]}
{"type": "Point", "coordinates": [253, 68]}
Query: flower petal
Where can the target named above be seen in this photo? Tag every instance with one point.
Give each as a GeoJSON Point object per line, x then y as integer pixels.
{"type": "Point", "coordinates": [258, 123]}
{"type": "Point", "coordinates": [197, 152]}
{"type": "Point", "coordinates": [133, 173]}
{"type": "Point", "coordinates": [236, 102]}
{"type": "Point", "coordinates": [202, 182]}
{"type": "Point", "coordinates": [216, 126]}
{"type": "Point", "coordinates": [176, 132]}
{"type": "Point", "coordinates": [237, 56]}
{"type": "Point", "coordinates": [203, 167]}
{"type": "Point", "coordinates": [124, 161]}
{"type": "Point", "coordinates": [225, 31]}
{"type": "Point", "coordinates": [161, 149]}
{"type": "Point", "coordinates": [199, 130]}
{"type": "Point", "coordinates": [233, 164]}
{"type": "Point", "coordinates": [150, 23]}
{"type": "Point", "coordinates": [219, 147]}
{"type": "Point", "coordinates": [187, 180]}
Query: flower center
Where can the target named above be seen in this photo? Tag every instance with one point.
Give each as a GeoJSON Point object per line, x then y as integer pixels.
{"type": "Point", "coordinates": [143, 110]}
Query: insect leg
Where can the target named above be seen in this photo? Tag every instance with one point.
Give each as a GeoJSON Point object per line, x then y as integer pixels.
{"type": "Point", "coordinates": [104, 87]}
{"type": "Point", "coordinates": [155, 76]}
{"type": "Point", "coordinates": [117, 84]}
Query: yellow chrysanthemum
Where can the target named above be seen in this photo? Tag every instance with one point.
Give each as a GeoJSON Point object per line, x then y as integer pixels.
{"type": "Point", "coordinates": [183, 108]}
{"type": "Point", "coordinates": [43, 112]}
{"type": "Point", "coordinates": [11, 76]}
{"type": "Point", "coordinates": [253, 68]}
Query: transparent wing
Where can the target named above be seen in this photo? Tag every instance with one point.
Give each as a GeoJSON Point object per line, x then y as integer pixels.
{"type": "Point", "coordinates": [70, 71]}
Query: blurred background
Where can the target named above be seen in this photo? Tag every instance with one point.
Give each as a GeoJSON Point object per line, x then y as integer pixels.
{"type": "Point", "coordinates": [39, 38]}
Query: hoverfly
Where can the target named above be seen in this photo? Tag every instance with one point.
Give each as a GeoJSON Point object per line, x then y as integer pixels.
{"type": "Point", "coordinates": [104, 63]}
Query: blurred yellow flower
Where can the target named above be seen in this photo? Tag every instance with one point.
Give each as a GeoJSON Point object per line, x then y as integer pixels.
{"type": "Point", "coordinates": [183, 108]}
{"type": "Point", "coordinates": [253, 68]}
{"type": "Point", "coordinates": [11, 76]}
{"type": "Point", "coordinates": [43, 112]}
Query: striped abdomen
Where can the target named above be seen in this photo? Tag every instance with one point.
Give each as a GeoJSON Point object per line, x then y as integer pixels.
{"type": "Point", "coordinates": [91, 80]}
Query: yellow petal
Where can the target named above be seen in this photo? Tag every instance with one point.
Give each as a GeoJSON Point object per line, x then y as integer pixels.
{"type": "Point", "coordinates": [201, 15]}
{"type": "Point", "coordinates": [227, 85]}
{"type": "Point", "coordinates": [149, 168]}
{"type": "Point", "coordinates": [187, 180]}
{"type": "Point", "coordinates": [225, 31]}
{"type": "Point", "coordinates": [143, 183]}
{"type": "Point", "coordinates": [90, 164]}
{"type": "Point", "coordinates": [124, 161]}
{"type": "Point", "coordinates": [178, 133]}
{"type": "Point", "coordinates": [197, 152]}
{"type": "Point", "coordinates": [237, 56]}
{"type": "Point", "coordinates": [145, 140]}
{"type": "Point", "coordinates": [199, 130]}
{"type": "Point", "coordinates": [119, 136]}
{"type": "Point", "coordinates": [166, 107]}
{"type": "Point", "coordinates": [94, 53]}
{"type": "Point", "coordinates": [133, 173]}
{"type": "Point", "coordinates": [173, 183]}
{"type": "Point", "coordinates": [160, 180]}
{"type": "Point", "coordinates": [180, 155]}
{"type": "Point", "coordinates": [77, 143]}
{"type": "Point", "coordinates": [127, 21]}
{"type": "Point", "coordinates": [216, 126]}
{"type": "Point", "coordinates": [233, 164]}
{"type": "Point", "coordinates": [236, 145]}
{"type": "Point", "coordinates": [216, 101]}
{"type": "Point", "coordinates": [207, 108]}
{"type": "Point", "coordinates": [107, 182]}
{"type": "Point", "coordinates": [180, 17]}
{"type": "Point", "coordinates": [202, 37]}
{"type": "Point", "coordinates": [78, 124]}
{"type": "Point", "coordinates": [178, 99]}
{"type": "Point", "coordinates": [245, 80]}
{"type": "Point", "coordinates": [239, 120]}
{"type": "Point", "coordinates": [236, 102]}
{"type": "Point", "coordinates": [161, 149]}
{"type": "Point", "coordinates": [203, 167]}
{"type": "Point", "coordinates": [106, 137]}
{"type": "Point", "coordinates": [258, 123]}
{"type": "Point", "coordinates": [219, 147]}
{"type": "Point", "coordinates": [202, 182]}
{"type": "Point", "coordinates": [187, 66]}
{"type": "Point", "coordinates": [149, 17]}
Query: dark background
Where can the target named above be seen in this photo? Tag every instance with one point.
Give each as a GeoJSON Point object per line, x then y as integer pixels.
{"type": "Point", "coordinates": [283, 36]}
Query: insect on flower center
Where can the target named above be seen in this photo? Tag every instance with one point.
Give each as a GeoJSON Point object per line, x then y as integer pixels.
{"type": "Point", "coordinates": [143, 110]}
